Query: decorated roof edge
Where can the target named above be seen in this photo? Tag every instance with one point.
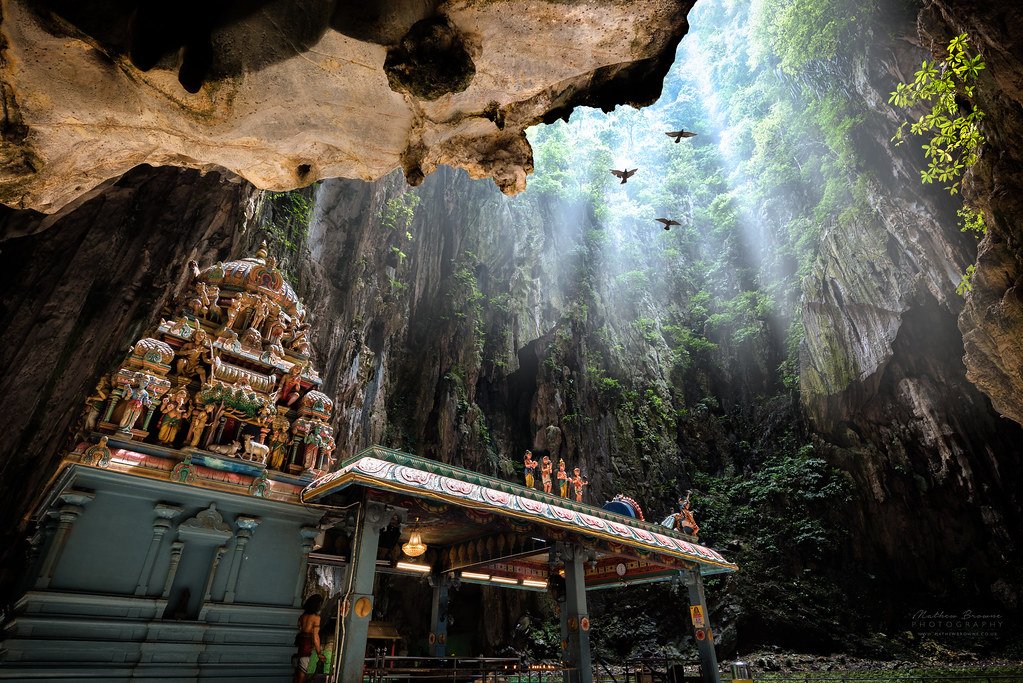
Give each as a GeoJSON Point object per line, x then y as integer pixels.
{"type": "Point", "coordinates": [346, 475]}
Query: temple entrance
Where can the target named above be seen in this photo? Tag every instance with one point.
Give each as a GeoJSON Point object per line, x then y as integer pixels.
{"type": "Point", "coordinates": [403, 515]}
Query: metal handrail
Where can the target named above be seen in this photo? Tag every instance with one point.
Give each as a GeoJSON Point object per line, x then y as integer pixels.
{"type": "Point", "coordinates": [901, 678]}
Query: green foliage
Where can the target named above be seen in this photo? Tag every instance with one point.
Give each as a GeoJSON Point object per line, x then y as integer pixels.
{"type": "Point", "coordinates": [955, 136]}
{"type": "Point", "coordinates": [966, 283]}
{"type": "Point", "coordinates": [797, 32]}
{"type": "Point", "coordinates": [952, 126]}
{"type": "Point", "coordinates": [398, 212]}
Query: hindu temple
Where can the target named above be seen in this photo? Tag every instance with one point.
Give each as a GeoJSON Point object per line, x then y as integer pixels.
{"type": "Point", "coordinates": [178, 537]}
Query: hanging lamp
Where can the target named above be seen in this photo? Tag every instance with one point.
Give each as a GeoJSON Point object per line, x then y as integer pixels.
{"type": "Point", "coordinates": [415, 546]}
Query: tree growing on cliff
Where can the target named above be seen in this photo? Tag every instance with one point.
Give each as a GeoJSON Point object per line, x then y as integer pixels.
{"type": "Point", "coordinates": [952, 124]}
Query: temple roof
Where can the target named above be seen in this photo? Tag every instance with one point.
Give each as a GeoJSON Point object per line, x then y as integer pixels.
{"type": "Point", "coordinates": [382, 469]}
{"type": "Point", "coordinates": [257, 274]}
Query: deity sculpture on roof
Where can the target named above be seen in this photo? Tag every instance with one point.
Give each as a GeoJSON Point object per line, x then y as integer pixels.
{"type": "Point", "coordinates": [530, 465]}
{"type": "Point", "coordinates": [562, 479]}
{"type": "Point", "coordinates": [174, 408]}
{"type": "Point", "coordinates": [233, 363]}
{"type": "Point", "coordinates": [578, 482]}
{"type": "Point", "coordinates": [546, 469]}
{"type": "Point", "coordinates": [137, 399]}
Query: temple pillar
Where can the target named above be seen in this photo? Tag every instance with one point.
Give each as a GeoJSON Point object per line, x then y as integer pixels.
{"type": "Point", "coordinates": [115, 397]}
{"type": "Point", "coordinates": [308, 534]}
{"type": "Point", "coordinates": [164, 515]}
{"type": "Point", "coordinates": [172, 570]}
{"type": "Point", "coordinates": [700, 617]}
{"type": "Point", "coordinates": [439, 614]}
{"type": "Point", "coordinates": [577, 656]}
{"type": "Point", "coordinates": [74, 502]}
{"type": "Point", "coordinates": [246, 525]}
{"type": "Point", "coordinates": [357, 606]}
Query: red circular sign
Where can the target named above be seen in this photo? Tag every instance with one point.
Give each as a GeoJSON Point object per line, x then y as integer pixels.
{"type": "Point", "coordinates": [584, 623]}
{"type": "Point", "coordinates": [432, 638]}
{"type": "Point", "coordinates": [700, 635]}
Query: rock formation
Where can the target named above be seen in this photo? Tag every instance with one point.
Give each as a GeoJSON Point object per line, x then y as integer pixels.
{"type": "Point", "coordinates": [285, 94]}
{"type": "Point", "coordinates": [992, 319]}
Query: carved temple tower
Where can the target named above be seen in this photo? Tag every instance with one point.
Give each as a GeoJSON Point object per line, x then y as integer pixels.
{"type": "Point", "coordinates": [172, 543]}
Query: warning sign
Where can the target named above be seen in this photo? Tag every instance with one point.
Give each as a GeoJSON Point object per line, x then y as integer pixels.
{"type": "Point", "coordinates": [698, 617]}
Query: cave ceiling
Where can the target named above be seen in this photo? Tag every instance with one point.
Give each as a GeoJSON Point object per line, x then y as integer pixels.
{"type": "Point", "coordinates": [283, 93]}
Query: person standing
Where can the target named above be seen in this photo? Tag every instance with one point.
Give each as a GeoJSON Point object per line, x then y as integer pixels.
{"type": "Point", "coordinates": [308, 639]}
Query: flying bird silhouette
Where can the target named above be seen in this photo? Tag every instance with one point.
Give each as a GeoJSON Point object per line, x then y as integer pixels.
{"type": "Point", "coordinates": [679, 134]}
{"type": "Point", "coordinates": [624, 175]}
{"type": "Point", "coordinates": [667, 222]}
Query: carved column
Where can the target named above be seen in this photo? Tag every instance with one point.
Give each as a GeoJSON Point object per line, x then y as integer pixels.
{"type": "Point", "coordinates": [246, 526]}
{"type": "Point", "coordinates": [439, 613]}
{"type": "Point", "coordinates": [115, 397]}
{"type": "Point", "coordinates": [36, 542]}
{"type": "Point", "coordinates": [172, 570]}
{"type": "Point", "coordinates": [74, 502]}
{"type": "Point", "coordinates": [164, 515]}
{"type": "Point", "coordinates": [149, 416]}
{"type": "Point", "coordinates": [357, 609]}
{"type": "Point", "coordinates": [577, 656]}
{"type": "Point", "coordinates": [701, 624]}
{"type": "Point", "coordinates": [308, 534]}
{"type": "Point", "coordinates": [213, 573]}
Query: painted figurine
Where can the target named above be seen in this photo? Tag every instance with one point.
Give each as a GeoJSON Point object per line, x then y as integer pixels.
{"type": "Point", "coordinates": [200, 416]}
{"type": "Point", "coordinates": [529, 465]}
{"type": "Point", "coordinates": [546, 469]}
{"type": "Point", "coordinates": [291, 385]}
{"type": "Point", "coordinates": [174, 409]}
{"type": "Point", "coordinates": [562, 479]}
{"type": "Point", "coordinates": [95, 403]}
{"type": "Point", "coordinates": [684, 520]}
{"type": "Point", "coordinates": [137, 400]}
{"type": "Point", "coordinates": [578, 483]}
{"type": "Point", "coordinates": [279, 439]}
{"type": "Point", "coordinates": [193, 354]}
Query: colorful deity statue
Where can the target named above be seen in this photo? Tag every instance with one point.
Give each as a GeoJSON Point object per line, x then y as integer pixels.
{"type": "Point", "coordinates": [299, 340]}
{"type": "Point", "coordinates": [530, 465]}
{"type": "Point", "coordinates": [197, 423]}
{"type": "Point", "coordinates": [205, 298]}
{"type": "Point", "coordinates": [193, 354]}
{"type": "Point", "coordinates": [578, 482]}
{"type": "Point", "coordinates": [684, 519]}
{"type": "Point", "coordinates": [174, 409]}
{"type": "Point", "coordinates": [94, 404]}
{"type": "Point", "coordinates": [291, 386]}
{"type": "Point", "coordinates": [279, 439]}
{"type": "Point", "coordinates": [327, 453]}
{"type": "Point", "coordinates": [562, 479]}
{"type": "Point", "coordinates": [546, 470]}
{"type": "Point", "coordinates": [315, 439]}
{"type": "Point", "coordinates": [137, 399]}
{"type": "Point", "coordinates": [260, 312]}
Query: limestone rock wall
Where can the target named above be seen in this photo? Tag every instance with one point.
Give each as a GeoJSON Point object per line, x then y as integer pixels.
{"type": "Point", "coordinates": [881, 366]}
{"type": "Point", "coordinates": [992, 319]}
{"type": "Point", "coordinates": [285, 93]}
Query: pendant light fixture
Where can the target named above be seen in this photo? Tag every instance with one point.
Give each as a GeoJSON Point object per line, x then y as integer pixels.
{"type": "Point", "coordinates": [415, 546]}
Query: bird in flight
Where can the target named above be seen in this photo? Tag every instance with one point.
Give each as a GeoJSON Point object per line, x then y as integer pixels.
{"type": "Point", "coordinates": [679, 134]}
{"type": "Point", "coordinates": [667, 222]}
{"type": "Point", "coordinates": [624, 175]}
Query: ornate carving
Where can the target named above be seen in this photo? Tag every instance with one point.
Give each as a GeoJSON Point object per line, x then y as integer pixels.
{"type": "Point", "coordinates": [210, 518]}
{"type": "Point", "coordinates": [98, 454]}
